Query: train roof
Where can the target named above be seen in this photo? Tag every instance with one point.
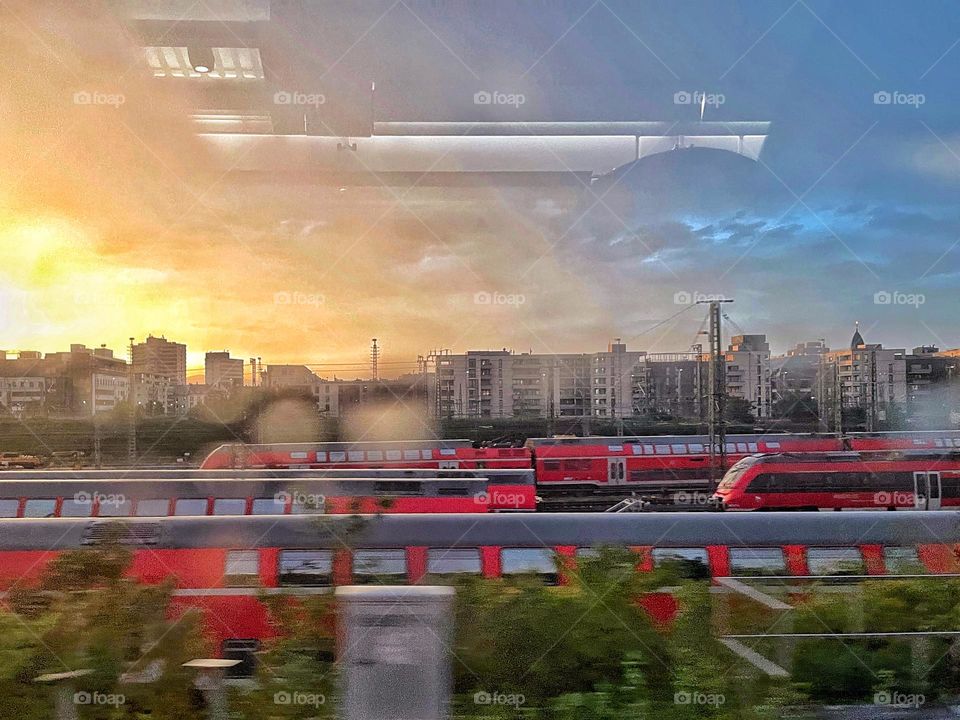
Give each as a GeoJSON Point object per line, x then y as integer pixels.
{"type": "Point", "coordinates": [505, 530]}
{"type": "Point", "coordinates": [848, 456]}
{"type": "Point", "coordinates": [256, 474]}
{"type": "Point", "coordinates": [358, 444]}
{"type": "Point", "coordinates": [654, 439]}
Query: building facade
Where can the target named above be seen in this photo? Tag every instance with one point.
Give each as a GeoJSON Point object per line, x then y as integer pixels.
{"type": "Point", "coordinates": [222, 371]}
{"type": "Point", "coordinates": [159, 356]}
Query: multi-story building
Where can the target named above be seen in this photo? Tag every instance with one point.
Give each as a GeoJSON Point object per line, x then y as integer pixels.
{"type": "Point", "coordinates": [222, 371]}
{"type": "Point", "coordinates": [798, 371]}
{"type": "Point", "coordinates": [932, 385]}
{"type": "Point", "coordinates": [154, 394]}
{"type": "Point", "coordinates": [748, 372]}
{"type": "Point", "coordinates": [672, 384]}
{"type": "Point", "coordinates": [159, 356]}
{"type": "Point", "coordinates": [868, 377]}
{"type": "Point", "coordinates": [21, 394]}
{"type": "Point", "coordinates": [612, 383]}
{"type": "Point", "coordinates": [301, 379]}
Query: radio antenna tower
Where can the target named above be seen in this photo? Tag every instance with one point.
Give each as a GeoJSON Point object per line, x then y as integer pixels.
{"type": "Point", "coordinates": [374, 360]}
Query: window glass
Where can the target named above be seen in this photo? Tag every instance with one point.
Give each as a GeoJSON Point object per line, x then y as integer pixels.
{"type": "Point", "coordinates": [9, 507]}
{"type": "Point", "coordinates": [321, 456]}
{"type": "Point", "coordinates": [298, 456]}
{"type": "Point", "coordinates": [752, 447]}
{"type": "Point", "coordinates": [697, 448]}
{"type": "Point", "coordinates": [338, 456]}
{"type": "Point", "coordinates": [371, 566]}
{"type": "Point", "coordinates": [679, 449]}
{"type": "Point", "coordinates": [242, 567]}
{"type": "Point", "coordinates": [903, 561]}
{"type": "Point", "coordinates": [355, 456]}
{"type": "Point", "coordinates": [153, 508]}
{"type": "Point", "coordinates": [835, 561]}
{"type": "Point", "coordinates": [375, 456]}
{"type": "Point", "coordinates": [426, 454]}
{"type": "Point", "coordinates": [689, 562]}
{"type": "Point", "coordinates": [229, 506]}
{"type": "Point", "coordinates": [757, 561]}
{"type": "Point", "coordinates": [267, 506]}
{"type": "Point", "coordinates": [444, 561]}
{"type": "Point", "coordinates": [39, 508]}
{"type": "Point", "coordinates": [306, 567]}
{"type": "Point", "coordinates": [588, 552]}
{"type": "Point", "coordinates": [514, 561]}
{"type": "Point", "coordinates": [662, 449]}
{"type": "Point", "coordinates": [443, 451]}
{"type": "Point", "coordinates": [190, 506]}
{"type": "Point", "coordinates": [393, 455]}
{"type": "Point", "coordinates": [731, 448]}
{"type": "Point", "coordinates": [115, 509]}
{"type": "Point", "coordinates": [741, 447]}
{"type": "Point", "coordinates": [72, 508]}
{"type": "Point", "coordinates": [648, 449]}
{"type": "Point", "coordinates": [411, 454]}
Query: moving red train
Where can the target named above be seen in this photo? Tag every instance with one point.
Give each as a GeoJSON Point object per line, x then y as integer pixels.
{"type": "Point", "coordinates": [156, 493]}
{"type": "Point", "coordinates": [897, 479]}
{"type": "Point", "coordinates": [223, 565]}
{"type": "Point", "coordinates": [573, 465]}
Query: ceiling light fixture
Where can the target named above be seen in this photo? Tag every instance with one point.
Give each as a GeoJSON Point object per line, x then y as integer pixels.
{"type": "Point", "coordinates": [200, 59]}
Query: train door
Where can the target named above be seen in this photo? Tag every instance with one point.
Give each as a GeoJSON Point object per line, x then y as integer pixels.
{"type": "Point", "coordinates": [926, 490]}
{"type": "Point", "coordinates": [616, 471]}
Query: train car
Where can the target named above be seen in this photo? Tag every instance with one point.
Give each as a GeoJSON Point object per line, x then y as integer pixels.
{"type": "Point", "coordinates": [893, 479]}
{"type": "Point", "coordinates": [142, 493]}
{"type": "Point", "coordinates": [222, 565]}
{"type": "Point", "coordinates": [667, 462]}
{"type": "Point", "coordinates": [440, 454]}
{"type": "Point", "coordinates": [918, 440]}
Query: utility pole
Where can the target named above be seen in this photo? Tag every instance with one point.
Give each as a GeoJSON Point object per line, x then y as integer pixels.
{"type": "Point", "coordinates": [718, 394]}
{"type": "Point", "coordinates": [822, 424]}
{"type": "Point", "coordinates": [837, 399]}
{"type": "Point", "coordinates": [374, 360]}
{"type": "Point", "coordinates": [132, 403]}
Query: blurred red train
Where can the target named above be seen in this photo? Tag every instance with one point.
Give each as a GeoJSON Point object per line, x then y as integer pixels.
{"type": "Point", "coordinates": [888, 480]}
{"type": "Point", "coordinates": [223, 566]}
{"type": "Point", "coordinates": [573, 465]}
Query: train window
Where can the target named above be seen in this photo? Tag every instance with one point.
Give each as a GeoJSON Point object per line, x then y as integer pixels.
{"type": "Point", "coordinates": [903, 561]}
{"type": "Point", "coordinates": [411, 454]}
{"type": "Point", "coordinates": [298, 456]}
{"type": "Point", "coordinates": [448, 561]}
{"type": "Point", "coordinates": [355, 456]}
{"type": "Point", "coordinates": [662, 449]}
{"type": "Point", "coordinates": [588, 552]}
{"type": "Point", "coordinates": [679, 449]}
{"type": "Point", "coordinates": [120, 507]}
{"type": "Point", "coordinates": [229, 506]}
{"type": "Point", "coordinates": [321, 456]}
{"type": "Point", "coordinates": [336, 456]}
{"type": "Point", "coordinates": [375, 566]}
{"type": "Point", "coordinates": [394, 455]}
{"type": "Point", "coordinates": [306, 567]}
{"type": "Point", "coordinates": [308, 504]}
{"type": "Point", "coordinates": [752, 447]}
{"type": "Point", "coordinates": [697, 448]}
{"type": "Point", "coordinates": [190, 506]}
{"type": "Point", "coordinates": [648, 449]}
{"type": "Point", "coordinates": [153, 508]}
{"type": "Point", "coordinates": [242, 567]}
{"type": "Point", "coordinates": [448, 451]}
{"type": "Point", "coordinates": [835, 561]}
{"type": "Point", "coordinates": [246, 652]}
{"type": "Point", "coordinates": [614, 448]}
{"type": "Point", "coordinates": [268, 506]}
{"type": "Point", "coordinates": [39, 508]}
{"type": "Point", "coordinates": [690, 562]}
{"type": "Point", "coordinates": [72, 507]}
{"type": "Point", "coordinates": [521, 561]}
{"type": "Point", "coordinates": [731, 447]}
{"type": "Point", "coordinates": [757, 561]}
{"type": "Point", "coordinates": [551, 464]}
{"type": "Point", "coordinates": [741, 447]}
{"type": "Point", "coordinates": [773, 445]}
{"type": "Point", "coordinates": [375, 456]}
{"type": "Point", "coordinates": [9, 508]}
{"type": "Point", "coordinates": [577, 464]}
{"type": "Point", "coordinates": [426, 454]}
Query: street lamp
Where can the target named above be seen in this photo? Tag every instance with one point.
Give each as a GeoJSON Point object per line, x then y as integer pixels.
{"type": "Point", "coordinates": [210, 682]}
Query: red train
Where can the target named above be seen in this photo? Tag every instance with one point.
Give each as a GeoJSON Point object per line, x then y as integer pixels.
{"type": "Point", "coordinates": [223, 565]}
{"type": "Point", "coordinates": [893, 479]}
{"type": "Point", "coordinates": [157, 493]}
{"type": "Point", "coordinates": [575, 465]}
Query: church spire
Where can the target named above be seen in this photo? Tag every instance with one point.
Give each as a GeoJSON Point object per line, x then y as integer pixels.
{"type": "Point", "coordinates": [857, 340]}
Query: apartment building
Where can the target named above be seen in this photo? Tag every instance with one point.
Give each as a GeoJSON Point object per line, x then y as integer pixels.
{"type": "Point", "coordinates": [159, 356]}
{"type": "Point", "coordinates": [868, 377]}
{"type": "Point", "coordinates": [748, 372]}
{"type": "Point", "coordinates": [222, 371]}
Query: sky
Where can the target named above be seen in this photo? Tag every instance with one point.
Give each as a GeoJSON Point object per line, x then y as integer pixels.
{"type": "Point", "coordinates": [114, 222]}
